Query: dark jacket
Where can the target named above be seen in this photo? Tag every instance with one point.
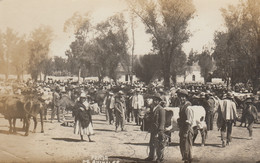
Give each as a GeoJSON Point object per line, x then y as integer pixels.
{"type": "Point", "coordinates": [251, 112]}
{"type": "Point", "coordinates": [82, 115]}
{"type": "Point", "coordinates": [158, 119]}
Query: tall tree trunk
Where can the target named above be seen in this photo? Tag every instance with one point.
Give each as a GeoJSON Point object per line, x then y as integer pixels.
{"type": "Point", "coordinates": [174, 77]}
{"type": "Point", "coordinates": [166, 75]}
{"type": "Point", "coordinates": [133, 47]}
{"type": "Point", "coordinates": [79, 75]}
{"type": "Point", "coordinates": [44, 77]}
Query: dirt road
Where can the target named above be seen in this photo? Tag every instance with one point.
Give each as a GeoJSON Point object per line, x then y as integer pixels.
{"type": "Point", "coordinates": [59, 144]}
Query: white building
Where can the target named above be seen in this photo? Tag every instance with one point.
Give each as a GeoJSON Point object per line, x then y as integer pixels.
{"type": "Point", "coordinates": [193, 76]}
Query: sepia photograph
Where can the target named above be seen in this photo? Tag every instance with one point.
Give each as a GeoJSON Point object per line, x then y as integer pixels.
{"type": "Point", "coordinates": [129, 81]}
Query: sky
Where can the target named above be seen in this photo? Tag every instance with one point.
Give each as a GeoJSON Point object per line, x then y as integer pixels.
{"type": "Point", "coordinates": [23, 16]}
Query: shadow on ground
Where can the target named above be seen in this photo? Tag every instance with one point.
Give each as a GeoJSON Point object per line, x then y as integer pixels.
{"type": "Point", "coordinates": [123, 159]}
{"type": "Point", "coordinates": [6, 132]}
{"type": "Point", "coordinates": [104, 130]}
{"type": "Point", "coordinates": [99, 120]}
{"type": "Point", "coordinates": [67, 139]}
{"type": "Point", "coordinates": [212, 145]}
{"type": "Point", "coordinates": [143, 144]}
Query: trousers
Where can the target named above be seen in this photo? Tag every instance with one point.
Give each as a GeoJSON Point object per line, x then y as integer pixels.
{"type": "Point", "coordinates": [157, 144]}
{"type": "Point", "coordinates": [226, 128]}
{"type": "Point", "coordinates": [209, 120]}
{"type": "Point", "coordinates": [55, 111]}
{"type": "Point", "coordinates": [250, 126]}
{"type": "Point", "coordinates": [137, 119]}
{"type": "Point", "coordinates": [110, 115]}
{"type": "Point", "coordinates": [186, 142]}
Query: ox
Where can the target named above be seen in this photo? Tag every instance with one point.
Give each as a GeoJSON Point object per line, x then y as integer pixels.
{"type": "Point", "coordinates": [172, 114]}
{"type": "Point", "coordinates": [23, 108]}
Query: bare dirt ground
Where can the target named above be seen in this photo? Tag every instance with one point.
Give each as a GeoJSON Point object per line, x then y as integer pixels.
{"type": "Point", "coordinates": [59, 144]}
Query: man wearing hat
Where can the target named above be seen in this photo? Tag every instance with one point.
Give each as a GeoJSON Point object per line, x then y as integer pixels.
{"type": "Point", "coordinates": [210, 110]}
{"type": "Point", "coordinates": [227, 114]}
{"type": "Point", "coordinates": [55, 101]}
{"type": "Point", "coordinates": [129, 108]}
{"type": "Point", "coordinates": [109, 102]}
{"type": "Point", "coordinates": [137, 104]}
{"type": "Point", "coordinates": [120, 109]}
{"type": "Point", "coordinates": [251, 115]}
{"type": "Point", "coordinates": [157, 138]}
{"type": "Point", "coordinates": [185, 124]}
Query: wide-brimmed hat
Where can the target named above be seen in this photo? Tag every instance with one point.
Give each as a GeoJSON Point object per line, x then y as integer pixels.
{"type": "Point", "coordinates": [83, 95]}
{"type": "Point", "coordinates": [249, 99]}
{"type": "Point", "coordinates": [182, 92]}
{"type": "Point", "coordinates": [229, 95]}
{"type": "Point", "coordinates": [202, 95]}
{"type": "Point", "coordinates": [209, 93]}
{"type": "Point", "coordinates": [120, 92]}
{"type": "Point", "coordinates": [161, 90]}
{"type": "Point", "coordinates": [157, 97]}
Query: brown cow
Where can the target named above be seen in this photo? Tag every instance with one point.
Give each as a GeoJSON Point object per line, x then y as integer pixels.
{"type": "Point", "coordinates": [22, 108]}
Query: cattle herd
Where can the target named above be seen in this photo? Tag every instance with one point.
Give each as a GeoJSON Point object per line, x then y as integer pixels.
{"type": "Point", "coordinates": [24, 101]}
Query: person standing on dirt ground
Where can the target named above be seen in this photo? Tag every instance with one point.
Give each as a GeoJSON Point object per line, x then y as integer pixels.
{"type": "Point", "coordinates": [137, 104]}
{"type": "Point", "coordinates": [227, 114]}
{"type": "Point", "coordinates": [210, 110]}
{"type": "Point", "coordinates": [55, 107]}
{"type": "Point", "coordinates": [157, 138]}
{"type": "Point", "coordinates": [120, 109]}
{"type": "Point", "coordinates": [109, 102]}
{"type": "Point", "coordinates": [251, 115]}
{"type": "Point", "coordinates": [185, 120]}
{"type": "Point", "coordinates": [83, 118]}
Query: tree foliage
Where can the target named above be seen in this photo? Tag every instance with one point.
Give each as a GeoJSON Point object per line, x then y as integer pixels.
{"type": "Point", "coordinates": [78, 58]}
{"type": "Point", "coordinates": [205, 63]}
{"type": "Point", "coordinates": [237, 51]}
{"type": "Point", "coordinates": [13, 53]}
{"type": "Point", "coordinates": [38, 50]}
{"type": "Point", "coordinates": [145, 67]}
{"type": "Point", "coordinates": [178, 64]}
{"type": "Point", "coordinates": [111, 46]}
{"type": "Point", "coordinates": [167, 23]}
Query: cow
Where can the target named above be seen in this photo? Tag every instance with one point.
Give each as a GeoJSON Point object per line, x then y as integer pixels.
{"type": "Point", "coordinates": [33, 107]}
{"type": "Point", "coordinates": [172, 114]}
{"type": "Point", "coordinates": [20, 107]}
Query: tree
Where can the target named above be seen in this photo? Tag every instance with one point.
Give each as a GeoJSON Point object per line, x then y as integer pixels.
{"type": "Point", "coordinates": [77, 56]}
{"type": "Point", "coordinates": [2, 59]}
{"type": "Point", "coordinates": [111, 45]}
{"type": "Point", "coordinates": [146, 67]}
{"type": "Point", "coordinates": [20, 57]}
{"type": "Point", "coordinates": [47, 67]}
{"type": "Point", "coordinates": [10, 40]}
{"type": "Point", "coordinates": [242, 40]}
{"type": "Point", "coordinates": [178, 65]}
{"type": "Point", "coordinates": [38, 50]}
{"type": "Point", "coordinates": [205, 63]}
{"type": "Point", "coordinates": [167, 23]}
{"type": "Point", "coordinates": [60, 64]}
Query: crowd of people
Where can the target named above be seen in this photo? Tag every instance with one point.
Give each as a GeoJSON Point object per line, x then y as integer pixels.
{"type": "Point", "coordinates": [128, 103]}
